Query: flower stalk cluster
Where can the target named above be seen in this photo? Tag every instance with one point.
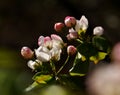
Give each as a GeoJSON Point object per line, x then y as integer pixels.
{"type": "Point", "coordinates": [84, 49]}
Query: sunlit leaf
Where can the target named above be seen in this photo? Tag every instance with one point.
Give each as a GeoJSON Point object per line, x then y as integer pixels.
{"type": "Point", "coordinates": [83, 58]}
{"type": "Point", "coordinates": [41, 78]}
{"type": "Point", "coordinates": [98, 57]}
{"type": "Point", "coordinates": [77, 74]}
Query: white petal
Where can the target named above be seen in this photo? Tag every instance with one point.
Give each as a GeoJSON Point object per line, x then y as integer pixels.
{"type": "Point", "coordinates": [98, 30]}
{"type": "Point", "coordinates": [55, 52]}
{"type": "Point", "coordinates": [56, 37]}
{"type": "Point", "coordinates": [71, 30]}
{"type": "Point", "coordinates": [42, 56]}
{"type": "Point", "coordinates": [82, 24]}
{"type": "Point", "coordinates": [31, 64]}
{"type": "Point", "coordinates": [79, 55]}
{"type": "Point", "coordinates": [57, 44]}
{"type": "Point", "coordinates": [77, 26]}
{"type": "Point", "coordinates": [40, 40]}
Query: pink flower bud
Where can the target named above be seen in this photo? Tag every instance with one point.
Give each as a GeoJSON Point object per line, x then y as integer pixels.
{"type": "Point", "coordinates": [58, 26]}
{"type": "Point", "coordinates": [70, 21]}
{"type": "Point", "coordinates": [71, 50]}
{"type": "Point", "coordinates": [40, 40]}
{"type": "Point", "coordinates": [26, 52]}
{"type": "Point", "coordinates": [47, 39]}
{"type": "Point", "coordinates": [72, 35]}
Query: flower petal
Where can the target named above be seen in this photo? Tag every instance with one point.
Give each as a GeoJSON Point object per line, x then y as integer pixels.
{"type": "Point", "coordinates": [82, 24]}
{"type": "Point", "coordinates": [40, 40]}
{"type": "Point", "coordinates": [42, 54]}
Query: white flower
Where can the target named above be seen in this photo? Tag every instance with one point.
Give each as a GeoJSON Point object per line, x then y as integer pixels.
{"type": "Point", "coordinates": [43, 54]}
{"type": "Point", "coordinates": [57, 41]}
{"type": "Point", "coordinates": [82, 24]}
{"type": "Point", "coordinates": [98, 31]}
{"type": "Point", "coordinates": [50, 48]}
{"type": "Point", "coordinates": [55, 54]}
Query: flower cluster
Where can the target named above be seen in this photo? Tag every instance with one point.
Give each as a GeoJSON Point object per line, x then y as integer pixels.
{"type": "Point", "coordinates": [85, 49]}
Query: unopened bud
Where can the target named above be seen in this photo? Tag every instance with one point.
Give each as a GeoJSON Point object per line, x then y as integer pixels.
{"type": "Point", "coordinates": [71, 50]}
{"type": "Point", "coordinates": [70, 21]}
{"type": "Point", "coordinates": [26, 52]}
{"type": "Point", "coordinates": [58, 26]}
{"type": "Point", "coordinates": [98, 31]}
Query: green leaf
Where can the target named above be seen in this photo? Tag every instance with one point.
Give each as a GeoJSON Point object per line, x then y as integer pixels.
{"type": "Point", "coordinates": [67, 81]}
{"type": "Point", "coordinates": [80, 68]}
{"type": "Point", "coordinates": [42, 78]}
{"type": "Point", "coordinates": [101, 43]}
{"type": "Point", "coordinates": [87, 50]}
{"type": "Point", "coordinates": [98, 57]}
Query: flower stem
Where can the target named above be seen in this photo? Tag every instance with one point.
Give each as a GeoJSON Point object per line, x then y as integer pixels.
{"type": "Point", "coordinates": [53, 67]}
{"type": "Point", "coordinates": [78, 40]}
{"type": "Point", "coordinates": [63, 65]}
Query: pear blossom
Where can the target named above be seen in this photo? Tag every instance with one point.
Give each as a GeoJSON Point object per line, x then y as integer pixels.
{"type": "Point", "coordinates": [43, 54]}
{"type": "Point", "coordinates": [80, 26]}
{"type": "Point", "coordinates": [26, 52]}
{"type": "Point", "coordinates": [55, 53]}
{"type": "Point", "coordinates": [98, 31]}
{"type": "Point", "coordinates": [57, 41]}
{"type": "Point", "coordinates": [50, 48]}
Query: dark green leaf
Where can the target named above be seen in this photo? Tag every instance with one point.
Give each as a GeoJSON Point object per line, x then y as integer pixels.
{"type": "Point", "coordinates": [101, 43]}
{"type": "Point", "coordinates": [87, 50]}
{"type": "Point", "coordinates": [80, 68]}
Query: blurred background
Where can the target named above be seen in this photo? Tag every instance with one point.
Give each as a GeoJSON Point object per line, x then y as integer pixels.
{"type": "Point", "coordinates": [23, 21]}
